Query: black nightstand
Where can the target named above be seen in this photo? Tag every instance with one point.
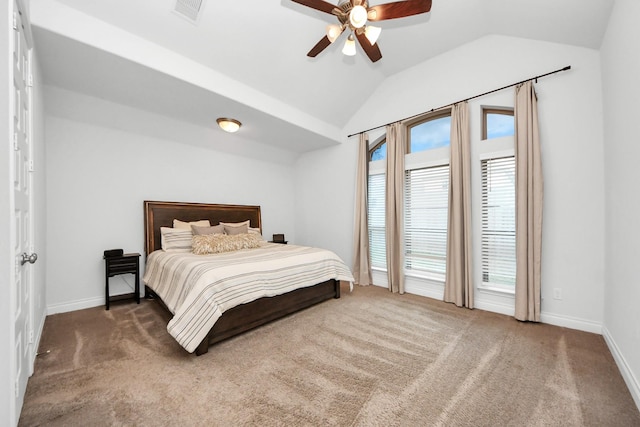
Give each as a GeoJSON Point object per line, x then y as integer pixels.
{"type": "Point", "coordinates": [122, 264]}
{"type": "Point", "coordinates": [278, 238]}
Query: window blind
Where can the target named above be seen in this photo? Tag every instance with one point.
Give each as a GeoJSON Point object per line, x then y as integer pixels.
{"type": "Point", "coordinates": [426, 208]}
{"type": "Point", "coordinates": [377, 245]}
{"type": "Point", "coordinates": [498, 221]}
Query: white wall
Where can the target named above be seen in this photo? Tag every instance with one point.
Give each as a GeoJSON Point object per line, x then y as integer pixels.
{"type": "Point", "coordinates": [40, 206]}
{"type": "Point", "coordinates": [324, 199]}
{"type": "Point", "coordinates": [99, 176]}
{"type": "Point", "coordinates": [571, 130]}
{"type": "Point", "coordinates": [621, 92]}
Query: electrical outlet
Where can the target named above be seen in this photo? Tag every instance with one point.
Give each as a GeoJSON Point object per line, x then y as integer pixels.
{"type": "Point", "coordinates": [557, 293]}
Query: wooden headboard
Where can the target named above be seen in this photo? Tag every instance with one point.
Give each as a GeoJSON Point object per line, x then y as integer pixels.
{"type": "Point", "coordinates": [162, 214]}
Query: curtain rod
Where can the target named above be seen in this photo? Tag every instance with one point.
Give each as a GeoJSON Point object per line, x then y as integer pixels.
{"type": "Point", "coordinates": [568, 67]}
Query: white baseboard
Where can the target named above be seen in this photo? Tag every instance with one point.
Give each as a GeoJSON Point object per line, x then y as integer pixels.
{"type": "Point", "coordinates": [415, 287]}
{"type": "Point", "coordinates": [494, 307]}
{"type": "Point", "coordinates": [39, 331]}
{"type": "Point", "coordinates": [75, 305]}
{"type": "Point", "coordinates": [627, 374]}
{"type": "Point", "coordinates": [412, 285]}
{"type": "Point", "coordinates": [425, 288]}
{"type": "Point", "coordinates": [490, 301]}
{"type": "Point", "coordinates": [571, 322]}
{"type": "Point", "coordinates": [494, 301]}
{"type": "Point", "coordinates": [36, 343]}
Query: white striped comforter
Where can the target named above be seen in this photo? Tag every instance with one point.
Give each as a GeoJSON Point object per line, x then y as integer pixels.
{"type": "Point", "coordinates": [199, 288]}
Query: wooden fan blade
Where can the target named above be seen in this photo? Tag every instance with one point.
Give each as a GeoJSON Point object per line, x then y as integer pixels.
{"type": "Point", "coordinates": [318, 5]}
{"type": "Point", "coordinates": [319, 47]}
{"type": "Point", "coordinates": [398, 9]}
{"type": "Point", "coordinates": [372, 51]}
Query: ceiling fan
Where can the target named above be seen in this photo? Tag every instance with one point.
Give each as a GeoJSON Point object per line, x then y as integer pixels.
{"type": "Point", "coordinates": [354, 14]}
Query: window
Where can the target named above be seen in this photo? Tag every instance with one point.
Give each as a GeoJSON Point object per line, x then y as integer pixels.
{"type": "Point", "coordinates": [377, 246]}
{"type": "Point", "coordinates": [498, 222]}
{"type": "Point", "coordinates": [426, 197]}
{"type": "Point", "coordinates": [376, 204]}
{"type": "Point", "coordinates": [379, 152]}
{"type": "Point", "coordinates": [425, 222]}
{"type": "Point", "coordinates": [430, 134]}
{"type": "Point", "coordinates": [426, 192]}
{"type": "Point", "coordinates": [497, 122]}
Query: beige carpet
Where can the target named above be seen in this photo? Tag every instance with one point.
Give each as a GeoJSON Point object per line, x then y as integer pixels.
{"type": "Point", "coordinates": [367, 359]}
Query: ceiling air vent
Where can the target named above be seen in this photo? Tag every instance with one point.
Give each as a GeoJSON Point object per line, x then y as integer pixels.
{"type": "Point", "coordinates": [189, 9]}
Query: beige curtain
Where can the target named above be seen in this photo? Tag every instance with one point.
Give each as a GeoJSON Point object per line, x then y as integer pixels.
{"type": "Point", "coordinates": [394, 207]}
{"type": "Point", "coordinates": [528, 204]}
{"type": "Point", "coordinates": [361, 256]}
{"type": "Point", "coordinates": [458, 287]}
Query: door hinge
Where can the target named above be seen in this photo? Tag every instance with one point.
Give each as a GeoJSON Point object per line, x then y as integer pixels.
{"type": "Point", "coordinates": [30, 80]}
{"type": "Point", "coordinates": [15, 20]}
{"type": "Point", "coordinates": [31, 168]}
{"type": "Point", "coordinates": [15, 141]}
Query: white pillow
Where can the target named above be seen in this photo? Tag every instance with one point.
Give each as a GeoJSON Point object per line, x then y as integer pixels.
{"type": "Point", "coordinates": [182, 224]}
{"type": "Point", "coordinates": [175, 239]}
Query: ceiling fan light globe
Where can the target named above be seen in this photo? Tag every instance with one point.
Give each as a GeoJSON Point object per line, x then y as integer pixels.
{"type": "Point", "coordinates": [349, 48]}
{"type": "Point", "coordinates": [372, 33]}
{"type": "Point", "coordinates": [333, 32]}
{"type": "Point", "coordinates": [358, 16]}
{"type": "Point", "coordinates": [228, 125]}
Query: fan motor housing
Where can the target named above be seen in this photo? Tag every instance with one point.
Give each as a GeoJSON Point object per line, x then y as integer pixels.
{"type": "Point", "coordinates": [345, 6]}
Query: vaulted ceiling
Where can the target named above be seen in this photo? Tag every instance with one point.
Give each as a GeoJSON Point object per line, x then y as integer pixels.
{"type": "Point", "coordinates": [247, 59]}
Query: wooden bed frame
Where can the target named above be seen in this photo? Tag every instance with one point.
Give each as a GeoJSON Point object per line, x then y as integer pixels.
{"type": "Point", "coordinates": [246, 316]}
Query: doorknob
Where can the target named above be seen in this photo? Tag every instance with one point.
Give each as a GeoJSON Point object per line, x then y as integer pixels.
{"type": "Point", "coordinates": [28, 258]}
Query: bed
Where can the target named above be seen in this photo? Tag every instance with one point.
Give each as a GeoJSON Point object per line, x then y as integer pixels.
{"type": "Point", "coordinates": [270, 270]}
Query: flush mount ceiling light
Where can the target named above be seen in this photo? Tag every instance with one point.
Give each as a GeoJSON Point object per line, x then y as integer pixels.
{"type": "Point", "coordinates": [354, 14]}
{"type": "Point", "coordinates": [228, 125]}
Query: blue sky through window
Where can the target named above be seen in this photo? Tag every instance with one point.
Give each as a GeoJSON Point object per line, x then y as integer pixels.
{"type": "Point", "coordinates": [499, 125]}
{"type": "Point", "coordinates": [432, 134]}
{"type": "Point", "coordinates": [379, 153]}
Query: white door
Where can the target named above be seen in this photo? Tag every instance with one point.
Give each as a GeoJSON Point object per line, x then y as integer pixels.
{"type": "Point", "coordinates": [22, 360]}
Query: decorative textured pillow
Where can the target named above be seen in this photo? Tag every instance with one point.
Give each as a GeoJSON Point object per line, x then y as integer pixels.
{"type": "Point", "coordinates": [182, 224]}
{"type": "Point", "coordinates": [217, 243]}
{"type": "Point", "coordinates": [175, 239]}
{"type": "Point", "coordinates": [216, 229]}
{"type": "Point", "coordinates": [232, 230]}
